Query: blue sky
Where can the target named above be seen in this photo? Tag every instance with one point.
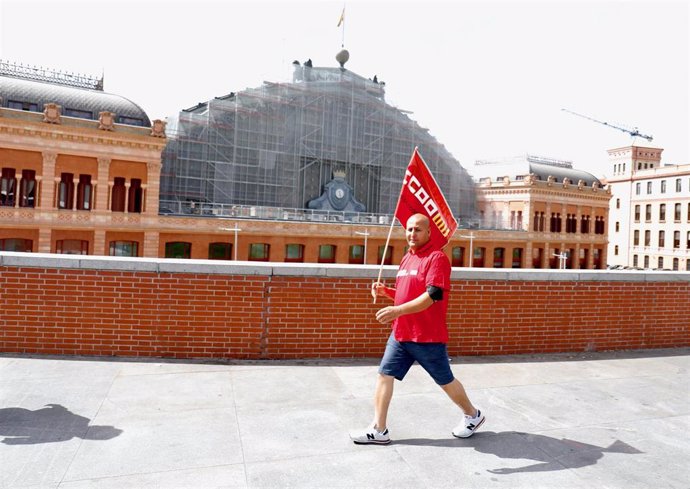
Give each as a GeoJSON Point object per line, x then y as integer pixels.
{"type": "Point", "coordinates": [488, 79]}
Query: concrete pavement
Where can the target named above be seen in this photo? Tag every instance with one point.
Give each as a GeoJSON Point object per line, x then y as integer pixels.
{"type": "Point", "coordinates": [591, 420]}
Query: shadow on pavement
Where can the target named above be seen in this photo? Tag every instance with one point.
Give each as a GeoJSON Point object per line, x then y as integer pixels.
{"type": "Point", "coordinates": [51, 424]}
{"type": "Point", "coordinates": [550, 453]}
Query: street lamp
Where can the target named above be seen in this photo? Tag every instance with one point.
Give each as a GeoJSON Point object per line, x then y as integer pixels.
{"type": "Point", "coordinates": [237, 230]}
{"type": "Point", "coordinates": [471, 237]}
{"type": "Point", "coordinates": [365, 234]}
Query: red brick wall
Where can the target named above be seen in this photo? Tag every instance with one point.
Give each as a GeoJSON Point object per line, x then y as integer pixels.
{"type": "Point", "coordinates": [209, 315]}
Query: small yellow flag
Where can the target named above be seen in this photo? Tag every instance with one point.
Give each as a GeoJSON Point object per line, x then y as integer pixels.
{"type": "Point", "coordinates": [342, 18]}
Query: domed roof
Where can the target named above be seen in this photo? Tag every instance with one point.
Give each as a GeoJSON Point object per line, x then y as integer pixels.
{"type": "Point", "coordinates": [543, 171]}
{"type": "Point", "coordinates": [77, 102]}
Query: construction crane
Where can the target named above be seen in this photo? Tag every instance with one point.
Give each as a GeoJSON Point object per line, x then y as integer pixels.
{"type": "Point", "coordinates": [633, 132]}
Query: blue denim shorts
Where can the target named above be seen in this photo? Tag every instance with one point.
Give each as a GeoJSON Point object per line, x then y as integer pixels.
{"type": "Point", "coordinates": [433, 357]}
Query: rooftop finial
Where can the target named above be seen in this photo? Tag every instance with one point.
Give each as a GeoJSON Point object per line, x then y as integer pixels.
{"type": "Point", "coordinates": [342, 57]}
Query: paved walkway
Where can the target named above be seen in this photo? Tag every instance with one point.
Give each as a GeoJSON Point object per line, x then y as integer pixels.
{"type": "Point", "coordinates": [617, 420]}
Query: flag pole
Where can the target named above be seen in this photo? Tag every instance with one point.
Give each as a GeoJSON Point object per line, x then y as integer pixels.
{"type": "Point", "coordinates": [385, 248]}
{"type": "Point", "coordinates": [390, 230]}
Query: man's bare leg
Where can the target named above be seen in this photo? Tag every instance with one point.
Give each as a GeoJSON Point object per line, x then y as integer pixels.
{"type": "Point", "coordinates": [382, 399]}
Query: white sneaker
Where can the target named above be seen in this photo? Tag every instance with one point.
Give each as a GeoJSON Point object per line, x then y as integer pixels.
{"type": "Point", "coordinates": [370, 436]}
{"type": "Point", "coordinates": [469, 425]}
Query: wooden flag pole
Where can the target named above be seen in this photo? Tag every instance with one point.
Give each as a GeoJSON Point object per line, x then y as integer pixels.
{"type": "Point", "coordinates": [385, 249]}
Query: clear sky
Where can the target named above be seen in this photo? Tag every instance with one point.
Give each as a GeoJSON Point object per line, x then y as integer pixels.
{"type": "Point", "coordinates": [487, 78]}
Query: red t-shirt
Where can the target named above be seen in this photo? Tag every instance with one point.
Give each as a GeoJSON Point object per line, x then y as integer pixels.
{"type": "Point", "coordinates": [417, 271]}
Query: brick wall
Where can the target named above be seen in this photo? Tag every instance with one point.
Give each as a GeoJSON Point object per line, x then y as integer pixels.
{"type": "Point", "coordinates": [199, 309]}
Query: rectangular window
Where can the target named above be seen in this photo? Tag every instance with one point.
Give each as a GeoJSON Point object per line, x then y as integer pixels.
{"type": "Point", "coordinates": [662, 239]}
{"type": "Point", "coordinates": [178, 249]}
{"type": "Point", "coordinates": [649, 188]}
{"type": "Point", "coordinates": [259, 251]}
{"type": "Point", "coordinates": [537, 254]}
{"type": "Point", "coordinates": [356, 255]}
{"type": "Point", "coordinates": [220, 251]}
{"type": "Point", "coordinates": [676, 239]}
{"type": "Point", "coordinates": [389, 255]}
{"type": "Point", "coordinates": [679, 185]}
{"type": "Point", "coordinates": [124, 248]}
{"type": "Point", "coordinates": [294, 252]}
{"type": "Point", "coordinates": [66, 191]}
{"type": "Point", "coordinates": [117, 197]}
{"type": "Point", "coordinates": [638, 188]}
{"type": "Point", "coordinates": [675, 264]}
{"type": "Point", "coordinates": [637, 213]}
{"type": "Point", "coordinates": [660, 262]}
{"type": "Point", "coordinates": [327, 253]}
{"type": "Point", "coordinates": [663, 186]}
{"type": "Point", "coordinates": [458, 255]}
{"type": "Point", "coordinates": [28, 106]}
{"type": "Point", "coordinates": [478, 257]}
{"type": "Point", "coordinates": [662, 212]}
{"type": "Point", "coordinates": [8, 187]}
{"type": "Point", "coordinates": [646, 261]}
{"type": "Point", "coordinates": [81, 114]}
{"type": "Point", "coordinates": [636, 237]}
{"type": "Point", "coordinates": [647, 238]}
{"type": "Point", "coordinates": [648, 213]}
{"type": "Point", "coordinates": [517, 258]}
{"type": "Point", "coordinates": [131, 121]}
{"type": "Point", "coordinates": [635, 261]}
{"type": "Point", "coordinates": [676, 213]}
{"type": "Point", "coordinates": [499, 254]}
{"type": "Point", "coordinates": [136, 193]}
{"type": "Point", "coordinates": [84, 193]}
{"type": "Point", "coordinates": [27, 189]}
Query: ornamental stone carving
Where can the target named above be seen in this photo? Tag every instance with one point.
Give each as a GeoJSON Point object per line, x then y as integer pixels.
{"type": "Point", "coordinates": [106, 121]}
{"type": "Point", "coordinates": [550, 180]}
{"type": "Point", "coordinates": [51, 113]}
{"type": "Point", "coordinates": [566, 182]}
{"type": "Point", "coordinates": [595, 186]}
{"type": "Point", "coordinates": [506, 181]}
{"type": "Point", "coordinates": [580, 184]}
{"type": "Point", "coordinates": [158, 128]}
{"type": "Point", "coordinates": [530, 179]}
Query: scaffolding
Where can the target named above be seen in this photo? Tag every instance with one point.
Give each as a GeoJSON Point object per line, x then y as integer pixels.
{"type": "Point", "coordinates": [278, 145]}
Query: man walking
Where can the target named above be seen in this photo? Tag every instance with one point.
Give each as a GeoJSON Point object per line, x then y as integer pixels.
{"type": "Point", "coordinates": [419, 332]}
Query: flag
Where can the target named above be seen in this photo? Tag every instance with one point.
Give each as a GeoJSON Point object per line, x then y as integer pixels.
{"type": "Point", "coordinates": [342, 18]}
{"type": "Point", "coordinates": [421, 195]}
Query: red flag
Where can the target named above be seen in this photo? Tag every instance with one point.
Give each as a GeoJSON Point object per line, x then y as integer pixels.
{"type": "Point", "coordinates": [421, 195]}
